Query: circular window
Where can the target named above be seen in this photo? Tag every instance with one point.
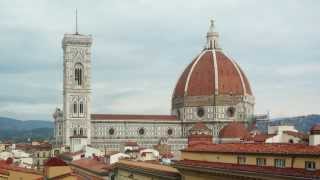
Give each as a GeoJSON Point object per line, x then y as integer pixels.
{"type": "Point", "coordinates": [170, 131]}
{"type": "Point", "coordinates": [111, 131]}
{"type": "Point", "coordinates": [141, 131]}
{"type": "Point", "coordinates": [200, 112]}
{"type": "Point", "coordinates": [231, 111]}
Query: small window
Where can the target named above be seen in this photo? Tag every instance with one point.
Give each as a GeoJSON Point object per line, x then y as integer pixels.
{"type": "Point", "coordinates": [261, 161]}
{"type": "Point", "coordinates": [111, 131]}
{"type": "Point", "coordinates": [200, 112]}
{"type": "Point", "coordinates": [170, 131]}
{"type": "Point", "coordinates": [241, 160]}
{"type": "Point", "coordinates": [231, 111]}
{"type": "Point", "coordinates": [279, 163]}
{"type": "Point", "coordinates": [74, 132]}
{"type": "Point", "coordinates": [291, 141]}
{"type": "Point", "coordinates": [310, 165]}
{"type": "Point", "coordinates": [81, 131]}
{"type": "Point", "coordinates": [141, 131]}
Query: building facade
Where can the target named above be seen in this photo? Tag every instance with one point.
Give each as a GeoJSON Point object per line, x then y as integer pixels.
{"type": "Point", "coordinates": [212, 89]}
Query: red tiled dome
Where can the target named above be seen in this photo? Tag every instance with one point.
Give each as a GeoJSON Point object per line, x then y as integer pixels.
{"type": "Point", "coordinates": [234, 130]}
{"type": "Point", "coordinates": [212, 71]}
{"type": "Point", "coordinates": [315, 129]}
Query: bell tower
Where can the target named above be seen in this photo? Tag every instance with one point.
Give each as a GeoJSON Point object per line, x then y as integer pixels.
{"type": "Point", "coordinates": [76, 90]}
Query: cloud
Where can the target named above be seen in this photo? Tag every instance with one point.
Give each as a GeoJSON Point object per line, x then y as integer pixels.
{"type": "Point", "coordinates": [141, 47]}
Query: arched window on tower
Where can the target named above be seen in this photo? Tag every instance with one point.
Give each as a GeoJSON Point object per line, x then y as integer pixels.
{"type": "Point", "coordinates": [78, 74]}
{"type": "Point", "coordinates": [75, 109]}
{"type": "Point", "coordinates": [81, 107]}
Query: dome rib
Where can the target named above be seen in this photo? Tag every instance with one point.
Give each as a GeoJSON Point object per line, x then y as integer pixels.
{"type": "Point", "coordinates": [216, 75]}
{"type": "Point", "coordinates": [190, 72]}
{"type": "Point", "coordinates": [240, 75]}
{"type": "Point", "coordinates": [212, 73]}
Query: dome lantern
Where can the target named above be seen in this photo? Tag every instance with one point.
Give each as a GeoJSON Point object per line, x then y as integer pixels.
{"type": "Point", "coordinates": [212, 37]}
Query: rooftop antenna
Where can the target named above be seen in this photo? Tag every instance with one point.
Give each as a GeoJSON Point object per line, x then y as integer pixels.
{"type": "Point", "coordinates": [77, 21]}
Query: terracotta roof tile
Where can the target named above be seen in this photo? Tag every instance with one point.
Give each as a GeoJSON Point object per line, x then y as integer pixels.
{"type": "Point", "coordinates": [54, 161]}
{"type": "Point", "coordinates": [315, 129]}
{"type": "Point", "coordinates": [256, 148]}
{"type": "Point", "coordinates": [234, 130]}
{"type": "Point", "coordinates": [148, 166]}
{"type": "Point", "coordinates": [202, 77]}
{"type": "Point", "coordinates": [267, 170]}
{"type": "Point", "coordinates": [262, 137]}
{"type": "Point", "coordinates": [297, 134]}
{"type": "Point", "coordinates": [92, 164]}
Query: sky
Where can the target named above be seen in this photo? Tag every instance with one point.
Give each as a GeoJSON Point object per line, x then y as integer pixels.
{"type": "Point", "coordinates": [141, 47]}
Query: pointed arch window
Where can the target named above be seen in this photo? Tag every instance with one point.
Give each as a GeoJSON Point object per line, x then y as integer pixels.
{"type": "Point", "coordinates": [78, 74]}
{"type": "Point", "coordinates": [75, 108]}
{"type": "Point", "coordinates": [81, 107]}
{"type": "Point", "coordinates": [74, 132]}
{"type": "Point", "coordinates": [81, 131]}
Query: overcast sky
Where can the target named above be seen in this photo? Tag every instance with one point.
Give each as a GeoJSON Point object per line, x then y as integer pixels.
{"type": "Point", "coordinates": [141, 47]}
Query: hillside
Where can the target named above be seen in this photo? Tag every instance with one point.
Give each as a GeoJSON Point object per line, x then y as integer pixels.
{"type": "Point", "coordinates": [18, 130]}
{"type": "Point", "coordinates": [301, 123]}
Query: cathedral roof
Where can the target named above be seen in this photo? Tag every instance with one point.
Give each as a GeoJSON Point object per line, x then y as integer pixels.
{"type": "Point", "coordinates": [133, 117]}
{"type": "Point", "coordinates": [315, 129]}
{"type": "Point", "coordinates": [234, 130]}
{"type": "Point", "coordinates": [212, 72]}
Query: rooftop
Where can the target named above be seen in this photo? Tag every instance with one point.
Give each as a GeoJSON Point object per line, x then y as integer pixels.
{"type": "Point", "coordinates": [92, 165]}
{"type": "Point", "coordinates": [236, 168]}
{"type": "Point", "coordinates": [256, 148]}
{"type": "Point", "coordinates": [133, 117]}
{"type": "Point", "coordinates": [168, 170]}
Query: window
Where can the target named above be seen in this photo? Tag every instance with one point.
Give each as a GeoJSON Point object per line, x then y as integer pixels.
{"type": "Point", "coordinates": [81, 131]}
{"type": "Point", "coordinates": [178, 115]}
{"type": "Point", "coordinates": [78, 74]}
{"type": "Point", "coordinates": [141, 131]}
{"type": "Point", "coordinates": [75, 109]}
{"type": "Point", "coordinates": [81, 107]}
{"type": "Point", "coordinates": [241, 160]}
{"type": "Point", "coordinates": [291, 141]}
{"type": "Point", "coordinates": [231, 111]}
{"type": "Point", "coordinates": [261, 161]}
{"type": "Point", "coordinates": [279, 163]}
{"type": "Point", "coordinates": [200, 112]}
{"type": "Point", "coordinates": [310, 165]}
{"type": "Point", "coordinates": [170, 131]}
{"type": "Point", "coordinates": [111, 131]}
{"type": "Point", "coordinates": [74, 132]}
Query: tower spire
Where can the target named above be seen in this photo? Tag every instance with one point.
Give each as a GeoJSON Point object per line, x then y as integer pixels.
{"type": "Point", "coordinates": [77, 21]}
{"type": "Point", "coordinates": [212, 37]}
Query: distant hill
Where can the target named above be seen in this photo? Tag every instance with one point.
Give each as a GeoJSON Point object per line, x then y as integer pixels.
{"type": "Point", "coordinates": [301, 123]}
{"type": "Point", "coordinates": [17, 130]}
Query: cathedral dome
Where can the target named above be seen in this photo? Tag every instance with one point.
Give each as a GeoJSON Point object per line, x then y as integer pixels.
{"type": "Point", "coordinates": [212, 72]}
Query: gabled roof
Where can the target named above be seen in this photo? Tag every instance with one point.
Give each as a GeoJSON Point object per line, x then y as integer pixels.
{"type": "Point", "coordinates": [297, 134]}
